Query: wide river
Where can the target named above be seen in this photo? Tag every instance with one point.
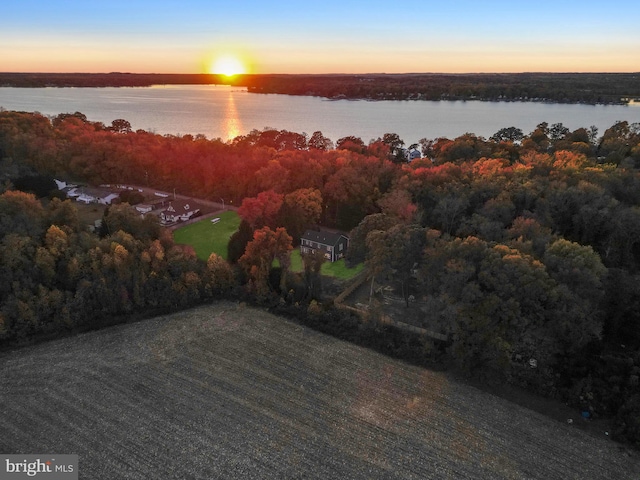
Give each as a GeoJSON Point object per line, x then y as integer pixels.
{"type": "Point", "coordinates": [226, 112]}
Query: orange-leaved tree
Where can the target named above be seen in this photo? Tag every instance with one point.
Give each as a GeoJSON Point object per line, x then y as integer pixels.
{"type": "Point", "coordinates": [266, 246]}
{"type": "Point", "coordinates": [262, 210]}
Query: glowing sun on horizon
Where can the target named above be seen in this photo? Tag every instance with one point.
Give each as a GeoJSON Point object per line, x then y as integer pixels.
{"type": "Point", "coordinates": [228, 65]}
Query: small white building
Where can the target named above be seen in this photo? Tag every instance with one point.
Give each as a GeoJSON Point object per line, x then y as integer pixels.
{"type": "Point", "coordinates": [143, 208]}
{"type": "Point", "coordinates": [413, 154]}
{"type": "Point", "coordinates": [179, 211]}
{"type": "Point", "coordinates": [89, 195]}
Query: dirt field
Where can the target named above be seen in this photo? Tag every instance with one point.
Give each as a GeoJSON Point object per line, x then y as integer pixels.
{"type": "Point", "coordinates": [234, 393]}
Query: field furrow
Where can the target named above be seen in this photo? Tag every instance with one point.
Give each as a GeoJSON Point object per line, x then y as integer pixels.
{"type": "Point", "coordinates": [230, 392]}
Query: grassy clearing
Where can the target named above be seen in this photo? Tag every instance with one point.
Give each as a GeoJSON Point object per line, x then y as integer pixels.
{"type": "Point", "coordinates": [88, 214]}
{"type": "Point", "coordinates": [336, 269]}
{"type": "Point", "coordinates": [206, 237]}
{"type": "Point", "coordinates": [225, 391]}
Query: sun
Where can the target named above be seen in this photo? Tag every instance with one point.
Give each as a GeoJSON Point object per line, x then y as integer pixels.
{"type": "Point", "coordinates": [228, 66]}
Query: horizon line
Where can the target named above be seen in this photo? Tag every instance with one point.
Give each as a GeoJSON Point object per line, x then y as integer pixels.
{"type": "Point", "coordinates": [332, 73]}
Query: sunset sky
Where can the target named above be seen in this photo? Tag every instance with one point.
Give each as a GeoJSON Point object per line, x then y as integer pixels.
{"type": "Point", "coordinates": [187, 36]}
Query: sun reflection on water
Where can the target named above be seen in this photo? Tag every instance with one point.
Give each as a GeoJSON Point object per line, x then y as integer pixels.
{"type": "Point", "coordinates": [231, 124]}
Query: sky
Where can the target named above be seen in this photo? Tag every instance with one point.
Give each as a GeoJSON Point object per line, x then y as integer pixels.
{"type": "Point", "coordinates": [329, 36]}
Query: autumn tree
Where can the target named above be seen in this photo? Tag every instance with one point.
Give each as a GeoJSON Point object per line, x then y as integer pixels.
{"type": "Point", "coordinates": [21, 213]}
{"type": "Point", "coordinates": [355, 144]}
{"type": "Point", "coordinates": [352, 191]}
{"type": "Point", "coordinates": [399, 204]}
{"type": "Point", "coordinates": [60, 213]}
{"type": "Point", "coordinates": [220, 275]}
{"type": "Point", "coordinates": [262, 210]}
{"type": "Point", "coordinates": [319, 142]}
{"type": "Point", "coordinates": [273, 177]}
{"type": "Point", "coordinates": [617, 143]}
{"type": "Point", "coordinates": [538, 140]}
{"type": "Point", "coordinates": [267, 245]}
{"type": "Point", "coordinates": [357, 250]}
{"type": "Point", "coordinates": [292, 141]}
{"type": "Point", "coordinates": [529, 236]}
{"type": "Point", "coordinates": [300, 210]}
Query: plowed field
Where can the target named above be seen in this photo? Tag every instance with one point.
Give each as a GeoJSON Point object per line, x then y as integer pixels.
{"type": "Point", "coordinates": [235, 393]}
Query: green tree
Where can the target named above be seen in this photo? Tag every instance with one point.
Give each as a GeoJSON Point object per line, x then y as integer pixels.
{"type": "Point", "coordinates": [123, 217]}
{"type": "Point", "coordinates": [508, 134]}
{"type": "Point", "coordinates": [312, 263]}
{"type": "Point", "coordinates": [396, 150]}
{"type": "Point", "coordinates": [580, 268]}
{"type": "Point", "coordinates": [319, 142]}
{"type": "Point", "coordinates": [496, 302]}
{"type": "Point", "coordinates": [120, 126]}
{"type": "Point", "coordinates": [63, 213]}
{"type": "Point", "coordinates": [395, 254]}
{"type": "Point", "coordinates": [238, 242]}
{"type": "Point", "coordinates": [21, 213]}
{"type": "Point", "coordinates": [558, 132]}
{"type": "Point", "coordinates": [40, 185]}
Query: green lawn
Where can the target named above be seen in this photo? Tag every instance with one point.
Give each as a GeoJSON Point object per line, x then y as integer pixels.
{"type": "Point", "coordinates": [335, 269]}
{"type": "Point", "coordinates": [206, 237]}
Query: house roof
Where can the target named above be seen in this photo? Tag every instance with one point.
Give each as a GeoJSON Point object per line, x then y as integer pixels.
{"type": "Point", "coordinates": [144, 206]}
{"type": "Point", "coordinates": [323, 236]}
{"type": "Point", "coordinates": [97, 192]}
{"type": "Point", "coordinates": [182, 206]}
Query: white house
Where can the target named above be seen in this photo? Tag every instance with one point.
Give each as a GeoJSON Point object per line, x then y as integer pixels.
{"type": "Point", "coordinates": [93, 195]}
{"type": "Point", "coordinates": [179, 211]}
{"type": "Point", "coordinates": [144, 208]}
{"type": "Point", "coordinates": [413, 154]}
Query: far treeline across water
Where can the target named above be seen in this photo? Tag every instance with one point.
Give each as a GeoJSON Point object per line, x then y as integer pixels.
{"type": "Point", "coordinates": [523, 250]}
{"type": "Point", "coordinates": [588, 88]}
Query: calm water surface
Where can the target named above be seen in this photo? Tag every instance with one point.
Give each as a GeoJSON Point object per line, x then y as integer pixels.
{"type": "Point", "coordinates": [226, 112]}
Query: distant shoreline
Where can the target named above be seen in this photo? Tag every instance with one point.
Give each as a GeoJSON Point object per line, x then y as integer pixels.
{"type": "Point", "coordinates": [573, 88]}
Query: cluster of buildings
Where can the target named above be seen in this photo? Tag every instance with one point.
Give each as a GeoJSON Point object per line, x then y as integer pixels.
{"type": "Point", "coordinates": [87, 195]}
{"type": "Point", "coordinates": [171, 210]}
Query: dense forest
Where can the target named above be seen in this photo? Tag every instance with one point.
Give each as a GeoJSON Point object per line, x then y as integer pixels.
{"type": "Point", "coordinates": [541, 87]}
{"type": "Point", "coordinates": [524, 247]}
{"type": "Point", "coordinates": [590, 88]}
{"type": "Point", "coordinates": [113, 79]}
